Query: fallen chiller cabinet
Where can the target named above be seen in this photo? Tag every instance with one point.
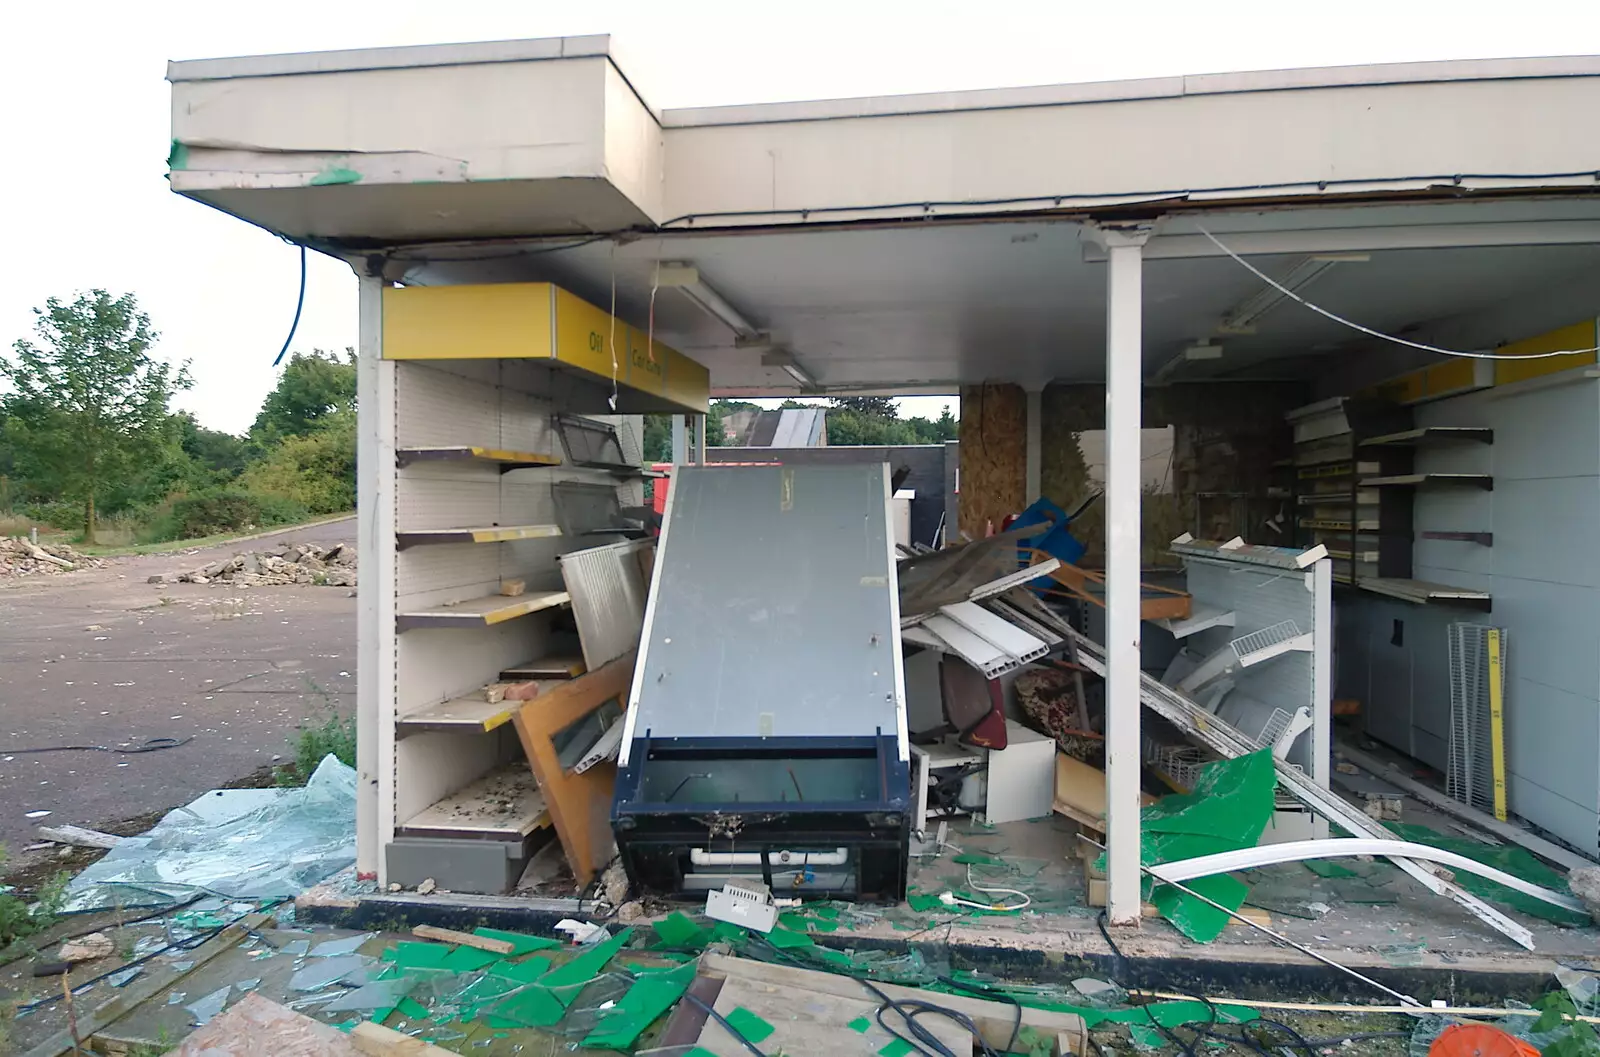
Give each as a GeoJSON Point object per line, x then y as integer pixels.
{"type": "Point", "coordinates": [766, 729]}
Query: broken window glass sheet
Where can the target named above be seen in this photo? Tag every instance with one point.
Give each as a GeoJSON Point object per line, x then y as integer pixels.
{"type": "Point", "coordinates": [241, 843]}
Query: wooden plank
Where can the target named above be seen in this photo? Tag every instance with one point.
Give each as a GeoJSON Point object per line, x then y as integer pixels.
{"type": "Point", "coordinates": [148, 986]}
{"type": "Point", "coordinates": [255, 1025]}
{"type": "Point", "coordinates": [78, 837]}
{"type": "Point", "coordinates": [994, 1019]}
{"type": "Point", "coordinates": [505, 804]}
{"type": "Point", "coordinates": [579, 804]}
{"type": "Point", "coordinates": [814, 1022]}
{"type": "Point", "coordinates": [1081, 792]}
{"type": "Point", "coordinates": [559, 667]}
{"type": "Point", "coordinates": [375, 1040]}
{"type": "Point", "coordinates": [463, 939]}
{"type": "Point", "coordinates": [460, 714]}
{"type": "Point", "coordinates": [487, 534]}
{"type": "Point", "coordinates": [480, 612]}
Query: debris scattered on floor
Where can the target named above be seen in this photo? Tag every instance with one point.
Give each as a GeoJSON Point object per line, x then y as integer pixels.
{"type": "Point", "coordinates": [22, 557]}
{"type": "Point", "coordinates": [288, 563]}
{"type": "Point", "coordinates": [238, 843]}
{"type": "Point", "coordinates": [88, 948]}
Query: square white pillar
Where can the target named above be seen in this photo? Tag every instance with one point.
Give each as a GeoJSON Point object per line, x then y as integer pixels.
{"type": "Point", "coordinates": [1124, 382]}
{"type": "Point", "coordinates": [700, 440]}
{"type": "Point", "coordinates": [375, 634]}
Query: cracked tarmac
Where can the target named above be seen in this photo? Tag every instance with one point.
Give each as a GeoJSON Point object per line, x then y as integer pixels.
{"type": "Point", "coordinates": [101, 657]}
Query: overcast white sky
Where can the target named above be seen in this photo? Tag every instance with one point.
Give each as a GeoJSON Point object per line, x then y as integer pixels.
{"type": "Point", "coordinates": [86, 125]}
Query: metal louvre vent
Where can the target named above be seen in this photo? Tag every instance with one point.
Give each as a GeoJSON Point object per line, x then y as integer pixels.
{"type": "Point", "coordinates": [1470, 777]}
{"type": "Point", "coordinates": [608, 586]}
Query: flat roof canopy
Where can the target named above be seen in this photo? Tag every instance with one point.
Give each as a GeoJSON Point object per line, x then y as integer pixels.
{"type": "Point", "coordinates": [923, 242]}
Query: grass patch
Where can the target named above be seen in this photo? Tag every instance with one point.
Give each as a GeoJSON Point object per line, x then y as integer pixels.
{"type": "Point", "coordinates": [21, 917]}
{"type": "Point", "coordinates": [104, 550]}
{"type": "Point", "coordinates": [336, 734]}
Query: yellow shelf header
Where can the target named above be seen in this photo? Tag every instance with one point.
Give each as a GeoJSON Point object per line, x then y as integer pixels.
{"type": "Point", "coordinates": [536, 321]}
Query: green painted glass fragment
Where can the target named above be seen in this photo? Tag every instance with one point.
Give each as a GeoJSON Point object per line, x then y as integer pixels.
{"type": "Point", "coordinates": [678, 930]}
{"type": "Point", "coordinates": [418, 955]}
{"type": "Point", "coordinates": [785, 939]}
{"type": "Point", "coordinates": [469, 960]}
{"type": "Point", "coordinates": [860, 1024]}
{"type": "Point", "coordinates": [896, 1048]}
{"type": "Point", "coordinates": [585, 967]}
{"type": "Point", "coordinates": [1328, 868]}
{"type": "Point", "coordinates": [1197, 920]}
{"type": "Point", "coordinates": [749, 1024]}
{"type": "Point", "coordinates": [521, 972]}
{"type": "Point", "coordinates": [647, 999]}
{"type": "Point", "coordinates": [335, 175]}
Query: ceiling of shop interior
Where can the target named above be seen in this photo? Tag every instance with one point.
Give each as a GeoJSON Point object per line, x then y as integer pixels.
{"type": "Point", "coordinates": [925, 307]}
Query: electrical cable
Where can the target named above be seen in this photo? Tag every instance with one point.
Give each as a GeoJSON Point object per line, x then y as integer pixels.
{"type": "Point", "coordinates": [696, 1001]}
{"type": "Point", "coordinates": [950, 898]}
{"type": "Point", "coordinates": [299, 306]}
{"type": "Point", "coordinates": [1455, 179]}
{"type": "Point", "coordinates": [1259, 274]}
{"type": "Point", "coordinates": [186, 944]}
{"type": "Point", "coordinates": [1016, 1026]}
{"type": "Point", "coordinates": [150, 745]}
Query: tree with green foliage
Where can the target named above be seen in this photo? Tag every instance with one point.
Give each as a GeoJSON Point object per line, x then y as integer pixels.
{"type": "Point", "coordinates": [868, 406]}
{"type": "Point", "coordinates": [313, 387]}
{"type": "Point", "coordinates": [316, 470]}
{"type": "Point", "coordinates": [220, 454]}
{"type": "Point", "coordinates": [88, 399]}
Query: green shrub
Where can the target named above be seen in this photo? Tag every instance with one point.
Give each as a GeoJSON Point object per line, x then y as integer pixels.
{"type": "Point", "coordinates": [21, 918]}
{"type": "Point", "coordinates": [212, 513]}
{"type": "Point", "coordinates": [57, 513]}
{"type": "Point", "coordinates": [336, 734]}
{"type": "Point", "coordinates": [317, 471]}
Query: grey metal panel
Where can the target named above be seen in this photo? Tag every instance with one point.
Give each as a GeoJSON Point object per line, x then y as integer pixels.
{"type": "Point", "coordinates": [1545, 530]}
{"type": "Point", "coordinates": [1550, 432]}
{"type": "Point", "coordinates": [1550, 739]}
{"type": "Point", "coordinates": [929, 478]}
{"type": "Point", "coordinates": [773, 611]}
{"type": "Point", "coordinates": [1572, 822]}
{"type": "Point", "coordinates": [1556, 631]}
{"type": "Point", "coordinates": [608, 590]}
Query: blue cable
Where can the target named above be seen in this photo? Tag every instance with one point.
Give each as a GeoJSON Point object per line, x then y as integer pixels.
{"type": "Point", "coordinates": [299, 304]}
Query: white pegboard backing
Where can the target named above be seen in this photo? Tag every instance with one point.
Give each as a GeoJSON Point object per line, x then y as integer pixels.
{"type": "Point", "coordinates": [533, 561]}
{"type": "Point", "coordinates": [449, 572]}
{"type": "Point", "coordinates": [1260, 598]}
{"type": "Point", "coordinates": [435, 406]}
{"type": "Point", "coordinates": [429, 767]}
{"type": "Point", "coordinates": [447, 501]}
{"type": "Point", "coordinates": [437, 664]}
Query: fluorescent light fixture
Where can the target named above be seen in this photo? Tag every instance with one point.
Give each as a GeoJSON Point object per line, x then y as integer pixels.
{"type": "Point", "coordinates": [686, 279]}
{"type": "Point", "coordinates": [1203, 350]}
{"type": "Point", "coordinates": [1241, 320]}
{"type": "Point", "coordinates": [785, 361]}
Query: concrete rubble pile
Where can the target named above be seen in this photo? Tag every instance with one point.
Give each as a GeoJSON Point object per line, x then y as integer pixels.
{"type": "Point", "coordinates": [289, 563]}
{"type": "Point", "coordinates": [21, 557]}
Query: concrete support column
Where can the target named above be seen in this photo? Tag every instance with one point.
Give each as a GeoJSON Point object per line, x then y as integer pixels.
{"type": "Point", "coordinates": [1124, 351]}
{"type": "Point", "coordinates": [700, 440]}
{"type": "Point", "coordinates": [375, 634]}
{"type": "Point", "coordinates": [680, 439]}
{"type": "Point", "coordinates": [1033, 485]}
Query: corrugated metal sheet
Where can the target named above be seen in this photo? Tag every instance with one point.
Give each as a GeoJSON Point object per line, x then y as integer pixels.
{"type": "Point", "coordinates": [608, 586]}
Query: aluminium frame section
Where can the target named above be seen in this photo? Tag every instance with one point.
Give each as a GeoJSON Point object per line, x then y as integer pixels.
{"type": "Point", "coordinates": [1201, 725]}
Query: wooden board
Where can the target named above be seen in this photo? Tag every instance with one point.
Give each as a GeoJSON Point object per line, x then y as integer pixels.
{"type": "Point", "coordinates": [1081, 793]}
{"type": "Point", "coordinates": [994, 1019]}
{"type": "Point", "coordinates": [465, 714]}
{"type": "Point", "coordinates": [148, 986]}
{"type": "Point", "coordinates": [579, 804]}
{"type": "Point", "coordinates": [463, 939]}
{"type": "Point", "coordinates": [814, 1022]}
{"type": "Point", "coordinates": [993, 456]}
{"type": "Point", "coordinates": [375, 1040]}
{"type": "Point", "coordinates": [505, 804]}
{"type": "Point", "coordinates": [545, 668]}
{"type": "Point", "coordinates": [258, 1027]}
{"type": "Point", "coordinates": [480, 612]}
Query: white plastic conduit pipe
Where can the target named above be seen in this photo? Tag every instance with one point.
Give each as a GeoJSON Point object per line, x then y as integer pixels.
{"type": "Point", "coordinates": [701, 857]}
{"type": "Point", "coordinates": [1342, 848]}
